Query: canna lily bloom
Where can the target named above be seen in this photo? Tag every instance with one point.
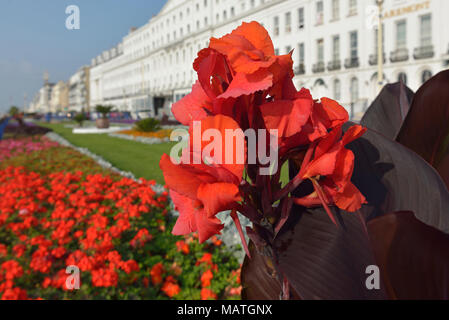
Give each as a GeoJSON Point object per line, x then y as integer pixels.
{"type": "Point", "coordinates": [200, 191]}
{"type": "Point", "coordinates": [329, 166]}
{"type": "Point", "coordinates": [250, 51]}
{"type": "Point", "coordinates": [301, 120]}
{"type": "Point", "coordinates": [193, 107]}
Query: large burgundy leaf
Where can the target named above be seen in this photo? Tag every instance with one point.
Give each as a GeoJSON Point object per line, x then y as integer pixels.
{"type": "Point", "coordinates": [413, 256]}
{"type": "Point", "coordinates": [259, 280]}
{"type": "Point", "coordinates": [426, 128]}
{"type": "Point", "coordinates": [387, 113]}
{"type": "Point", "coordinates": [322, 261]}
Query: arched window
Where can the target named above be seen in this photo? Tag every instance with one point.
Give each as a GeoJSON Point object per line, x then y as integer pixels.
{"type": "Point", "coordinates": [426, 75]}
{"type": "Point", "coordinates": [354, 89]}
{"type": "Point", "coordinates": [402, 77]}
{"type": "Point", "coordinates": [337, 89]}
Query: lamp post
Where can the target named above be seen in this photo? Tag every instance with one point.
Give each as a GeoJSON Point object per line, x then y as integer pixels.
{"type": "Point", "coordinates": [380, 49]}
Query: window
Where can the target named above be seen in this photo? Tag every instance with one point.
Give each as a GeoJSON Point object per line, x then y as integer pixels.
{"type": "Point", "coordinates": [426, 75]}
{"type": "Point", "coordinates": [276, 26]}
{"type": "Point", "coordinates": [276, 52]}
{"type": "Point", "coordinates": [402, 77]}
{"type": "Point", "coordinates": [337, 89]}
{"type": "Point", "coordinates": [353, 45]}
{"type": "Point", "coordinates": [336, 48]}
{"type": "Point", "coordinates": [301, 18]}
{"type": "Point", "coordinates": [301, 53]}
{"type": "Point", "coordinates": [335, 9]}
{"type": "Point", "coordinates": [426, 30]}
{"type": "Point", "coordinates": [401, 34]}
{"type": "Point", "coordinates": [352, 7]}
{"type": "Point", "coordinates": [232, 11]}
{"type": "Point", "coordinates": [288, 49]}
{"type": "Point", "coordinates": [319, 13]}
{"type": "Point", "coordinates": [320, 50]}
{"type": "Point", "coordinates": [253, 3]}
{"type": "Point", "coordinates": [205, 21]}
{"type": "Point", "coordinates": [354, 90]}
{"type": "Point", "coordinates": [288, 22]}
{"type": "Point", "coordinates": [225, 15]}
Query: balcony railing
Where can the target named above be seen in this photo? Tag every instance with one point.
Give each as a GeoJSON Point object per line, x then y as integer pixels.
{"type": "Point", "coordinates": [334, 65]}
{"type": "Point", "coordinates": [318, 67]}
{"type": "Point", "coordinates": [399, 55]}
{"type": "Point", "coordinates": [352, 63]}
{"type": "Point", "coordinates": [373, 59]}
{"type": "Point", "coordinates": [425, 52]}
{"type": "Point", "coordinates": [300, 69]}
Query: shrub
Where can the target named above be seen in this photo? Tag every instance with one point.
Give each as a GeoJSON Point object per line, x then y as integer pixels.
{"type": "Point", "coordinates": [80, 118]}
{"type": "Point", "coordinates": [148, 125]}
{"type": "Point", "coordinates": [103, 110]}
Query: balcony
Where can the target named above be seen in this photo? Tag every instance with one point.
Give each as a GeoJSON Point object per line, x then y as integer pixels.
{"type": "Point", "coordinates": [400, 55]}
{"type": "Point", "coordinates": [318, 67]}
{"type": "Point", "coordinates": [300, 69]}
{"type": "Point", "coordinates": [425, 52]}
{"type": "Point", "coordinates": [334, 65]}
{"type": "Point", "coordinates": [373, 59]}
{"type": "Point", "coordinates": [352, 63]}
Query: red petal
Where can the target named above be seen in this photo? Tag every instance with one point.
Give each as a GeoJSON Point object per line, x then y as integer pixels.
{"type": "Point", "coordinates": [182, 178]}
{"type": "Point", "coordinates": [257, 35]}
{"type": "Point", "coordinates": [353, 133]}
{"type": "Point", "coordinates": [330, 113]}
{"type": "Point", "coordinates": [288, 117]}
{"type": "Point", "coordinates": [186, 222]}
{"type": "Point", "coordinates": [218, 197]}
{"type": "Point", "coordinates": [246, 84]}
{"type": "Point", "coordinates": [207, 227]}
{"type": "Point", "coordinates": [222, 124]}
{"type": "Point", "coordinates": [350, 198]}
{"type": "Point", "coordinates": [193, 106]}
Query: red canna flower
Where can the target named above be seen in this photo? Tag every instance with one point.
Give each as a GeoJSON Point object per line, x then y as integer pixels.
{"type": "Point", "coordinates": [330, 170]}
{"type": "Point", "coordinates": [200, 191]}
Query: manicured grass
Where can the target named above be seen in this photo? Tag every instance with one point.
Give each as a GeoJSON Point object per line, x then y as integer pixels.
{"type": "Point", "coordinates": [140, 159]}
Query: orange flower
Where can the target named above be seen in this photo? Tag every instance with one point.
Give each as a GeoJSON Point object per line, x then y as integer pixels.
{"type": "Point", "coordinates": [170, 288]}
{"type": "Point", "coordinates": [206, 277]}
{"type": "Point", "coordinates": [183, 247]}
{"type": "Point", "coordinates": [208, 294]}
{"type": "Point", "coordinates": [156, 273]}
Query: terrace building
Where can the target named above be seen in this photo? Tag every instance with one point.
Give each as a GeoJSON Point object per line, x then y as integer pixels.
{"type": "Point", "coordinates": [335, 46]}
{"type": "Point", "coordinates": [79, 88]}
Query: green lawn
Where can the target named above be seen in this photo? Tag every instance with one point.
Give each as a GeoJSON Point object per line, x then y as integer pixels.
{"type": "Point", "coordinates": [140, 159]}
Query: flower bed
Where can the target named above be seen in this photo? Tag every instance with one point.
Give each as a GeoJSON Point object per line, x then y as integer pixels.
{"type": "Point", "coordinates": [161, 134]}
{"type": "Point", "coordinates": [56, 211]}
{"type": "Point", "coordinates": [12, 147]}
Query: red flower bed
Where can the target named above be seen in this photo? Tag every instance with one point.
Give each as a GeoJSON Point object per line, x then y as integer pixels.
{"type": "Point", "coordinates": [114, 230]}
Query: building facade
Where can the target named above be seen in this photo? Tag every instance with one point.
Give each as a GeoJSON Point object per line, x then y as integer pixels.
{"type": "Point", "coordinates": [41, 102]}
{"type": "Point", "coordinates": [334, 43]}
{"type": "Point", "coordinates": [59, 97]}
{"type": "Point", "coordinates": [79, 90]}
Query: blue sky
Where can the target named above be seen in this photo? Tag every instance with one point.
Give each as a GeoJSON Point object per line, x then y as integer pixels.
{"type": "Point", "coordinates": [34, 38]}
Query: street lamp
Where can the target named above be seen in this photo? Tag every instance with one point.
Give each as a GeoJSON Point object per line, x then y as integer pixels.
{"type": "Point", "coordinates": [380, 49]}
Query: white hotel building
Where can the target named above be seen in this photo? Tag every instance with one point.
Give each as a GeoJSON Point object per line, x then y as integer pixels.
{"type": "Point", "coordinates": [335, 48]}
